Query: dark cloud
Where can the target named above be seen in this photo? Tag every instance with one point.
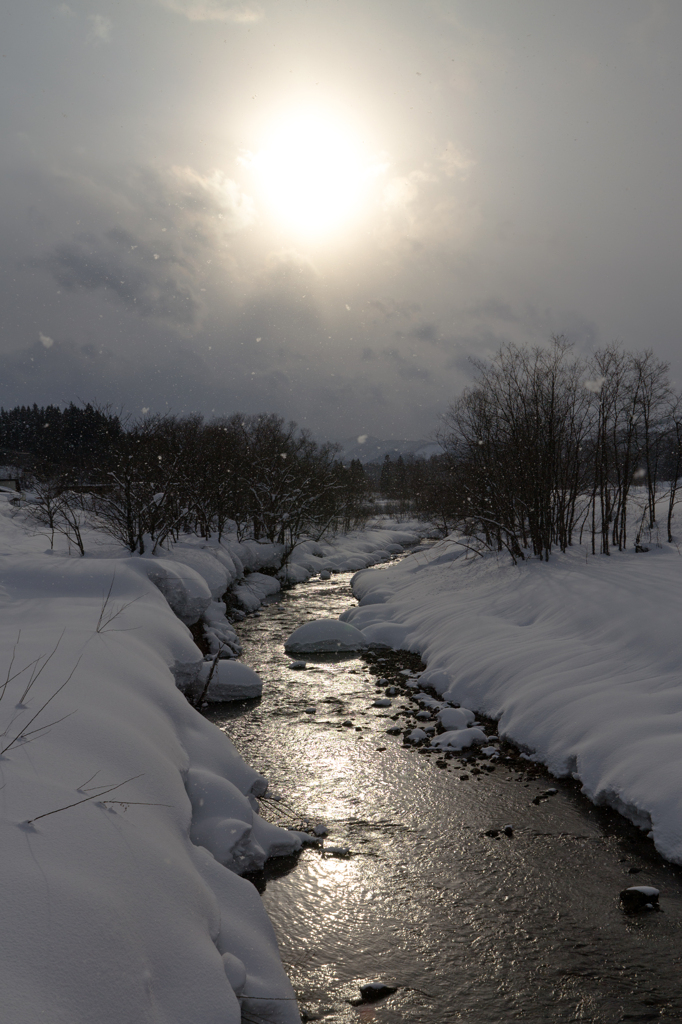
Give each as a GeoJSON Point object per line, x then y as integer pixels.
{"type": "Point", "coordinates": [526, 185]}
{"type": "Point", "coordinates": [388, 309]}
{"type": "Point", "coordinates": [124, 271]}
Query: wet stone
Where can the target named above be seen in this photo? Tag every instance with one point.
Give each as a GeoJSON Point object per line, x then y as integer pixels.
{"type": "Point", "coordinates": [375, 990]}
{"type": "Point", "coordinates": [639, 897]}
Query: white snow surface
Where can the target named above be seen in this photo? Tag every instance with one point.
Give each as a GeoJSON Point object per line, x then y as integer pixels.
{"type": "Point", "coordinates": [120, 911]}
{"type": "Point", "coordinates": [579, 659]}
{"type": "Point", "coordinates": [455, 718]}
{"type": "Point", "coordinates": [126, 817]}
{"type": "Point", "coordinates": [230, 680]}
{"type": "Point", "coordinates": [458, 739]}
{"type": "Point", "coordinates": [253, 591]}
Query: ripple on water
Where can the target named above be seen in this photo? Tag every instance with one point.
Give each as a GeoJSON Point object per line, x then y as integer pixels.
{"type": "Point", "coordinates": [475, 928]}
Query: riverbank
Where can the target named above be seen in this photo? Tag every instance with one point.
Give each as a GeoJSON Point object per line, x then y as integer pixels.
{"type": "Point", "coordinates": [120, 807]}
{"type": "Point", "coordinates": [127, 819]}
{"type": "Point", "coordinates": [577, 660]}
{"type": "Point", "coordinates": [419, 884]}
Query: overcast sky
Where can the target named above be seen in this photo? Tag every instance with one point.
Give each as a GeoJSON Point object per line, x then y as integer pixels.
{"type": "Point", "coordinates": [324, 208]}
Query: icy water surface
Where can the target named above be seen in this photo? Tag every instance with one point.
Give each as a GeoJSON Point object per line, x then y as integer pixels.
{"type": "Point", "coordinates": [470, 927]}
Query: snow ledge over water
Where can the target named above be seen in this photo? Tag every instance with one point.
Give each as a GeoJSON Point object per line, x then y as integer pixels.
{"type": "Point", "coordinates": [578, 659]}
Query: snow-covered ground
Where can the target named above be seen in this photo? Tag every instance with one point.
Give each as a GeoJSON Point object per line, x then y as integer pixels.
{"type": "Point", "coordinates": [580, 659]}
{"type": "Point", "coordinates": [126, 818]}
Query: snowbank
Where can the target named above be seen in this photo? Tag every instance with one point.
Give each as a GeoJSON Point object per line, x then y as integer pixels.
{"type": "Point", "coordinates": [349, 552]}
{"type": "Point", "coordinates": [125, 816]}
{"type": "Point", "coordinates": [254, 590]}
{"type": "Point", "coordinates": [195, 575]}
{"type": "Point", "coordinates": [579, 659]}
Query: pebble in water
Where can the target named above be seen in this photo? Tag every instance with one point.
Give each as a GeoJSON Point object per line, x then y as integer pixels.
{"type": "Point", "coordinates": [376, 990]}
{"type": "Point", "coordinates": [640, 897]}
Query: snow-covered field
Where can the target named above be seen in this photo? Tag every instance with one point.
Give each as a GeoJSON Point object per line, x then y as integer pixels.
{"type": "Point", "coordinates": [580, 659]}
{"type": "Point", "coordinates": [127, 818]}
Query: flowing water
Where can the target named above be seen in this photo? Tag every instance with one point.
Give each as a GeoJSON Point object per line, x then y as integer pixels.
{"type": "Point", "coordinates": [469, 924]}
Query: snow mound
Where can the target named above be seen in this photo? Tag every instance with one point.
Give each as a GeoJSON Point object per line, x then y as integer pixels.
{"type": "Point", "coordinates": [323, 635]}
{"type": "Point", "coordinates": [116, 914]}
{"type": "Point", "coordinates": [294, 573]}
{"type": "Point", "coordinates": [213, 572]}
{"type": "Point", "coordinates": [416, 736]}
{"type": "Point", "coordinates": [388, 634]}
{"type": "Point", "coordinates": [256, 587]}
{"type": "Point", "coordinates": [231, 680]}
{"type": "Point", "coordinates": [458, 739]}
{"type": "Point", "coordinates": [186, 591]}
{"type": "Point", "coordinates": [218, 632]}
{"type": "Point", "coordinates": [455, 718]}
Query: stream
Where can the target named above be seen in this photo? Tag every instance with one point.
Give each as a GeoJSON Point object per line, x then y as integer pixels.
{"type": "Point", "coordinates": [469, 924]}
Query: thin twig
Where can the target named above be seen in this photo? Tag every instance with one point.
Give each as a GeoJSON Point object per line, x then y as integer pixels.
{"type": "Point", "coordinates": [135, 803]}
{"type": "Point", "coordinates": [37, 672]}
{"type": "Point", "coordinates": [9, 669]}
{"type": "Point", "coordinates": [58, 690]}
{"type": "Point", "coordinates": [85, 799]}
{"type": "Point", "coordinates": [23, 734]}
{"type": "Point", "coordinates": [200, 700]}
{"type": "Point", "coordinates": [82, 789]}
{"type": "Point", "coordinates": [102, 623]}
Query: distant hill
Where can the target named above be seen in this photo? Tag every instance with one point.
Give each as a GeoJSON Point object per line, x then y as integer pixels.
{"type": "Point", "coordinates": [374, 449]}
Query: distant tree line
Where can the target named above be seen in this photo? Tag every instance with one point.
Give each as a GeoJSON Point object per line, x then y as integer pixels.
{"type": "Point", "coordinates": [150, 481]}
{"type": "Point", "coordinates": [545, 448]}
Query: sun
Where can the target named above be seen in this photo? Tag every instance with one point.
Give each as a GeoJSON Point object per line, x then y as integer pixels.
{"type": "Point", "coordinates": [312, 174]}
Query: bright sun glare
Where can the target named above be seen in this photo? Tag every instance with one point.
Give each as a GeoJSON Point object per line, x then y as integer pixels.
{"type": "Point", "coordinates": [312, 174]}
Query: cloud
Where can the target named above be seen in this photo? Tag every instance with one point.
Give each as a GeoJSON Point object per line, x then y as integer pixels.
{"type": "Point", "coordinates": [456, 163]}
{"type": "Point", "coordinates": [432, 206]}
{"type": "Point", "coordinates": [100, 28]}
{"type": "Point", "coordinates": [406, 369]}
{"type": "Point", "coordinates": [111, 263]}
{"type": "Point", "coordinates": [214, 193]}
{"type": "Point", "coordinates": [386, 309]}
{"type": "Point", "coordinates": [216, 10]}
{"type": "Point", "coordinates": [175, 230]}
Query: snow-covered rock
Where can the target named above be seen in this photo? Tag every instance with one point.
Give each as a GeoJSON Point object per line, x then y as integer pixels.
{"type": "Point", "coordinates": [254, 590]}
{"type": "Point", "coordinates": [388, 634]}
{"type": "Point", "coordinates": [459, 739]}
{"type": "Point", "coordinates": [325, 635]}
{"type": "Point", "coordinates": [416, 736]}
{"type": "Point", "coordinates": [231, 680]}
{"type": "Point", "coordinates": [294, 573]}
{"type": "Point", "coordinates": [455, 718]}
